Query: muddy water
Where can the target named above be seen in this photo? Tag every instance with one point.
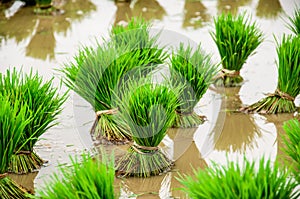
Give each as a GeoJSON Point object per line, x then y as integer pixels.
{"type": "Point", "coordinates": [44, 44]}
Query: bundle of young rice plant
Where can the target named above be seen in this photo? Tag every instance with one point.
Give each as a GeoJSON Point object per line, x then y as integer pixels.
{"type": "Point", "coordinates": [282, 100]}
{"type": "Point", "coordinates": [149, 110]}
{"type": "Point", "coordinates": [96, 72]}
{"type": "Point", "coordinates": [43, 100]}
{"type": "Point", "coordinates": [292, 145]}
{"type": "Point", "coordinates": [236, 38]}
{"type": "Point", "coordinates": [294, 22]}
{"type": "Point", "coordinates": [195, 70]}
{"type": "Point", "coordinates": [13, 121]}
{"type": "Point", "coordinates": [86, 179]}
{"type": "Point", "coordinates": [241, 181]}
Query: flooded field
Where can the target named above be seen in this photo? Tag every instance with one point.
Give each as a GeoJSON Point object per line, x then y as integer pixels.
{"type": "Point", "coordinates": [45, 43]}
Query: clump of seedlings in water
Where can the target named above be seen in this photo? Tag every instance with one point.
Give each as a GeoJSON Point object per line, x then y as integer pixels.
{"type": "Point", "coordinates": [294, 22]}
{"type": "Point", "coordinates": [88, 178]}
{"type": "Point", "coordinates": [13, 121]}
{"type": "Point", "coordinates": [241, 181]}
{"type": "Point", "coordinates": [149, 110]}
{"type": "Point", "coordinates": [194, 69]}
{"type": "Point", "coordinates": [236, 38]}
{"type": "Point", "coordinates": [282, 100]}
{"type": "Point", "coordinates": [96, 72]}
{"type": "Point", "coordinates": [292, 142]}
{"type": "Point", "coordinates": [41, 99]}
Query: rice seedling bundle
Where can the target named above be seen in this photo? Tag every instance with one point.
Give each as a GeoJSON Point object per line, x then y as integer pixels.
{"type": "Point", "coordinates": [292, 142]}
{"type": "Point", "coordinates": [294, 22]}
{"type": "Point", "coordinates": [241, 181]}
{"type": "Point", "coordinates": [149, 110]}
{"type": "Point", "coordinates": [282, 100]}
{"type": "Point", "coordinates": [236, 39]}
{"type": "Point", "coordinates": [43, 100]}
{"type": "Point", "coordinates": [195, 70]}
{"type": "Point", "coordinates": [13, 121]}
{"type": "Point", "coordinates": [96, 72]}
{"type": "Point", "coordinates": [82, 180]}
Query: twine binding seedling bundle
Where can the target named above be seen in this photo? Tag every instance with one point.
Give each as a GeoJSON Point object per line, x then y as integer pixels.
{"type": "Point", "coordinates": [149, 110]}
{"type": "Point", "coordinates": [96, 72]}
{"type": "Point", "coordinates": [13, 120]}
{"type": "Point", "coordinates": [194, 69]}
{"type": "Point", "coordinates": [236, 39]}
{"type": "Point", "coordinates": [282, 100]}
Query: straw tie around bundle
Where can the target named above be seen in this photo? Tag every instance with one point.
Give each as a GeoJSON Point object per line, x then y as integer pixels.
{"type": "Point", "coordinates": [3, 175]}
{"type": "Point", "coordinates": [23, 153]}
{"type": "Point", "coordinates": [282, 95]}
{"type": "Point", "coordinates": [107, 112]}
{"type": "Point", "coordinates": [140, 149]}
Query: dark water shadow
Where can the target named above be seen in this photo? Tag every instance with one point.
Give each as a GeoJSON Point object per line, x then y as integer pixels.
{"type": "Point", "coordinates": [195, 14]}
{"type": "Point", "coordinates": [268, 9]}
{"type": "Point", "coordinates": [25, 180]}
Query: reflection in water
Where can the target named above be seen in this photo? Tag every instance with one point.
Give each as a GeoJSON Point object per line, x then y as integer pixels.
{"type": "Point", "coordinates": [195, 13]}
{"type": "Point", "coordinates": [123, 12]}
{"type": "Point", "coordinates": [19, 27]}
{"type": "Point", "coordinates": [190, 160]}
{"type": "Point", "coordinates": [242, 134]}
{"type": "Point", "coordinates": [26, 181]}
{"type": "Point", "coordinates": [42, 44]}
{"type": "Point", "coordinates": [152, 187]}
{"type": "Point", "coordinates": [231, 5]}
{"type": "Point", "coordinates": [239, 129]}
{"type": "Point", "coordinates": [148, 9]}
{"type": "Point", "coordinates": [268, 8]}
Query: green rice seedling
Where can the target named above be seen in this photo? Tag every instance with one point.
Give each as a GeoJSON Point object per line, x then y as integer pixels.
{"type": "Point", "coordinates": [292, 145]}
{"type": "Point", "coordinates": [96, 72]}
{"type": "Point", "coordinates": [282, 100]}
{"type": "Point", "coordinates": [13, 121]}
{"type": "Point", "coordinates": [241, 181]}
{"type": "Point", "coordinates": [149, 110]}
{"type": "Point", "coordinates": [90, 178]}
{"type": "Point", "coordinates": [294, 22]}
{"type": "Point", "coordinates": [195, 70]}
{"type": "Point", "coordinates": [43, 100]}
{"type": "Point", "coordinates": [236, 39]}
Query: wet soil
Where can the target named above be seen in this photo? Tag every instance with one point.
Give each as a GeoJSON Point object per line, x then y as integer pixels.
{"type": "Point", "coordinates": [45, 43]}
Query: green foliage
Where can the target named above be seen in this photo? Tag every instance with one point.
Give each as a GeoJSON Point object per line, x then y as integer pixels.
{"type": "Point", "coordinates": [236, 39]}
{"type": "Point", "coordinates": [195, 70]}
{"type": "Point", "coordinates": [96, 72]}
{"type": "Point", "coordinates": [42, 99]}
{"type": "Point", "coordinates": [282, 101]}
{"type": "Point", "coordinates": [13, 121]}
{"type": "Point", "coordinates": [83, 180]}
{"type": "Point", "coordinates": [294, 22]}
{"type": "Point", "coordinates": [149, 110]}
{"type": "Point", "coordinates": [240, 182]}
{"type": "Point", "coordinates": [288, 53]}
{"type": "Point", "coordinates": [292, 145]}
